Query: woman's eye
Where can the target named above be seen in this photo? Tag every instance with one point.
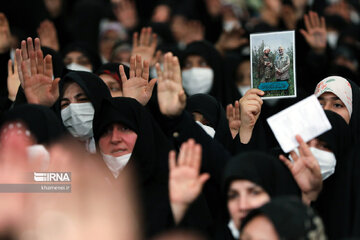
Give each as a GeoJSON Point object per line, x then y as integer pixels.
{"type": "Point", "coordinates": [64, 105]}
{"type": "Point", "coordinates": [114, 89]}
{"type": "Point", "coordinates": [83, 99]}
{"type": "Point", "coordinates": [338, 105]}
{"type": "Point", "coordinates": [255, 192]}
{"type": "Point", "coordinates": [232, 196]}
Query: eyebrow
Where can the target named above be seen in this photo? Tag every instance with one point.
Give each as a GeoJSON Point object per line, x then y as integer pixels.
{"type": "Point", "coordinates": [80, 95]}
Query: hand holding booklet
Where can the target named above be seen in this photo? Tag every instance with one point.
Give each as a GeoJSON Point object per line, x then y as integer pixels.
{"type": "Point", "coordinates": [306, 118]}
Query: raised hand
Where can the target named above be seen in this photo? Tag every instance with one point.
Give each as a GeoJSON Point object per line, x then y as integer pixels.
{"type": "Point", "coordinates": [36, 74]}
{"type": "Point", "coordinates": [306, 171]}
{"type": "Point", "coordinates": [250, 108]}
{"type": "Point", "coordinates": [145, 46]}
{"type": "Point", "coordinates": [138, 85]}
{"type": "Point", "coordinates": [125, 12]}
{"type": "Point", "coordinates": [171, 95]}
{"type": "Point", "coordinates": [231, 40]}
{"type": "Point", "coordinates": [315, 34]}
{"type": "Point", "coordinates": [48, 35]}
{"type": "Point", "coordinates": [233, 116]}
{"type": "Point", "coordinates": [13, 81]}
{"type": "Point", "coordinates": [5, 35]}
{"type": "Point", "coordinates": [185, 180]}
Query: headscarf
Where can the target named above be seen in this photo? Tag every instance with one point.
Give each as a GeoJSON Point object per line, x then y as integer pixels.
{"type": "Point", "coordinates": [94, 88]}
{"type": "Point", "coordinates": [291, 219]}
{"type": "Point", "coordinates": [42, 122]}
{"type": "Point", "coordinates": [262, 169]}
{"type": "Point", "coordinates": [214, 113]}
{"type": "Point", "coordinates": [151, 149]}
{"type": "Point", "coordinates": [149, 159]}
{"type": "Point", "coordinates": [338, 186]}
{"type": "Point", "coordinates": [338, 86]}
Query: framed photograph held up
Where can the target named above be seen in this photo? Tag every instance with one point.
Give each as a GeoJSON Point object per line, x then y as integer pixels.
{"type": "Point", "coordinates": [272, 57]}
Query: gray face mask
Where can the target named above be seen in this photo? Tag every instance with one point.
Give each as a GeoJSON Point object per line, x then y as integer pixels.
{"type": "Point", "coordinates": [78, 118]}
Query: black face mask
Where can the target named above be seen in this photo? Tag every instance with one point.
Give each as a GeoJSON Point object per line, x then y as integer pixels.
{"type": "Point", "coordinates": [266, 54]}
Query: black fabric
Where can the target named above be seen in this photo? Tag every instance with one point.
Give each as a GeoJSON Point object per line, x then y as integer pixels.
{"type": "Point", "coordinates": [149, 161]}
{"type": "Point", "coordinates": [264, 170]}
{"type": "Point", "coordinates": [291, 219]}
{"type": "Point", "coordinates": [220, 88]}
{"type": "Point", "coordinates": [337, 188]}
{"type": "Point", "coordinates": [355, 158]}
{"type": "Point", "coordinates": [94, 88]}
{"type": "Point", "coordinates": [40, 120]}
{"type": "Point", "coordinates": [215, 114]}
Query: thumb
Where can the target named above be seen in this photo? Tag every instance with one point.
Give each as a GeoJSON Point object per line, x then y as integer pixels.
{"type": "Point", "coordinates": [55, 86]}
{"type": "Point", "coordinates": [203, 178]}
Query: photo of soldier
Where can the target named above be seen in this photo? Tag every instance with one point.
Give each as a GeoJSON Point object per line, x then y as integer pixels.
{"type": "Point", "coordinates": [266, 67]}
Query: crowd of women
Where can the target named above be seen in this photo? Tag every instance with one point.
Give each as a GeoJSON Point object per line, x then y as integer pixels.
{"type": "Point", "coordinates": [148, 105]}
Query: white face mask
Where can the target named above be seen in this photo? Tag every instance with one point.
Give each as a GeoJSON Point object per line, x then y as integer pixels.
{"type": "Point", "coordinates": [326, 160]}
{"type": "Point", "coordinates": [243, 89]}
{"type": "Point", "coordinates": [332, 38]}
{"type": "Point", "coordinates": [77, 67]}
{"type": "Point", "coordinates": [209, 130]}
{"type": "Point", "coordinates": [197, 80]}
{"type": "Point", "coordinates": [38, 153]}
{"type": "Point", "coordinates": [78, 118]}
{"type": "Point", "coordinates": [234, 231]}
{"type": "Point", "coordinates": [116, 164]}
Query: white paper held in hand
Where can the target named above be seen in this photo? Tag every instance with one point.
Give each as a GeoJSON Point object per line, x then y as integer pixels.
{"type": "Point", "coordinates": [305, 118]}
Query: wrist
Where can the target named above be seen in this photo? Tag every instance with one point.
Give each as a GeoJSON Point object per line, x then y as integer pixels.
{"type": "Point", "coordinates": [178, 210]}
{"type": "Point", "coordinates": [245, 133]}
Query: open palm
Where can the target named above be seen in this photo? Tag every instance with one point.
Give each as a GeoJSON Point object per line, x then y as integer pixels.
{"type": "Point", "coordinates": [171, 95]}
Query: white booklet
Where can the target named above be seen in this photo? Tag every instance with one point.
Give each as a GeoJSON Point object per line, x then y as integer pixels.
{"type": "Point", "coordinates": [305, 118]}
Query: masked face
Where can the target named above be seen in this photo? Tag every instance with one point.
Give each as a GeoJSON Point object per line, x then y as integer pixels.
{"type": "Point", "coordinates": [324, 156]}
{"type": "Point", "coordinates": [77, 111]}
{"type": "Point", "coordinates": [78, 118]}
{"type": "Point", "coordinates": [77, 61]}
{"type": "Point", "coordinates": [197, 80]}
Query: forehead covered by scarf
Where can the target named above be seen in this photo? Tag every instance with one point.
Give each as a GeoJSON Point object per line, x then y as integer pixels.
{"type": "Point", "coordinates": [291, 219]}
{"type": "Point", "coordinates": [94, 88]}
{"type": "Point", "coordinates": [262, 169]}
{"type": "Point", "coordinates": [338, 86]}
{"type": "Point", "coordinates": [152, 146]}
